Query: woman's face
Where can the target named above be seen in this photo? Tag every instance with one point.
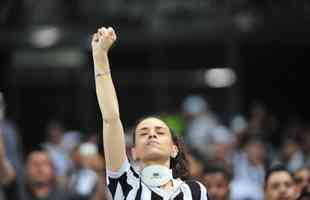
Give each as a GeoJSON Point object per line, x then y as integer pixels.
{"type": "Point", "coordinates": [153, 141]}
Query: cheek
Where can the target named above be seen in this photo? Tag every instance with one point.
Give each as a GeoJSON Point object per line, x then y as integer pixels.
{"type": "Point", "coordinates": [270, 193]}
{"type": "Point", "coordinates": [274, 193]}
{"type": "Point", "coordinates": [168, 148]}
{"type": "Point", "coordinates": [46, 170]}
{"type": "Point", "coordinates": [292, 190]}
{"type": "Point", "coordinates": [139, 143]}
{"type": "Point", "coordinates": [225, 190]}
{"type": "Point", "coordinates": [168, 142]}
{"type": "Point", "coordinates": [139, 148]}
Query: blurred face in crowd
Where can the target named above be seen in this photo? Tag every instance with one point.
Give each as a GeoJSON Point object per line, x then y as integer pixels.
{"type": "Point", "coordinates": [256, 152]}
{"type": "Point", "coordinates": [302, 179]}
{"type": "Point", "coordinates": [39, 168]}
{"type": "Point", "coordinates": [218, 186]}
{"type": "Point", "coordinates": [220, 151]}
{"type": "Point", "coordinates": [280, 186]}
{"type": "Point", "coordinates": [195, 166]}
{"type": "Point", "coordinates": [55, 133]}
{"type": "Point", "coordinates": [153, 142]}
{"type": "Point", "coordinates": [289, 148]}
{"type": "Point", "coordinates": [76, 157]}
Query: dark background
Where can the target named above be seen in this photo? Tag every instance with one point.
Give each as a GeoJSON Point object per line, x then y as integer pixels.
{"type": "Point", "coordinates": [162, 49]}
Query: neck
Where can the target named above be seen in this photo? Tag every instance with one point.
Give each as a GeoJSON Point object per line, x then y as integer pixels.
{"type": "Point", "coordinates": [168, 186]}
{"type": "Point", "coordinates": [165, 163]}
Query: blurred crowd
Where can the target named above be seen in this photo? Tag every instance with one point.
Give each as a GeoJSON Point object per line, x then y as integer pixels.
{"type": "Point", "coordinates": [248, 157]}
{"type": "Point", "coordinates": [67, 166]}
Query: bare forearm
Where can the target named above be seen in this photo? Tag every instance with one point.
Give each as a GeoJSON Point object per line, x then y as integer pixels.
{"type": "Point", "coordinates": [7, 172]}
{"type": "Point", "coordinates": [113, 133]}
{"type": "Point", "coordinates": [105, 89]}
{"type": "Point", "coordinates": [112, 126]}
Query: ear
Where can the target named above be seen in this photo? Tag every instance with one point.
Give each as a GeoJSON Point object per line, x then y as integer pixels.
{"type": "Point", "coordinates": [175, 151]}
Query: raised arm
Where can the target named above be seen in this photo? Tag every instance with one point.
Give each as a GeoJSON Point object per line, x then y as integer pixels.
{"type": "Point", "coordinates": [7, 172]}
{"type": "Point", "coordinates": [113, 133]}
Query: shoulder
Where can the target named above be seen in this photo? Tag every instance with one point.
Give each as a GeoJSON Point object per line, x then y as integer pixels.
{"type": "Point", "coordinates": [198, 190]}
{"type": "Point", "coordinates": [126, 169]}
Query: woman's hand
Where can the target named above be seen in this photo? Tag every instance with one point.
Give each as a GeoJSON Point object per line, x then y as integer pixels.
{"type": "Point", "coordinates": [102, 42]}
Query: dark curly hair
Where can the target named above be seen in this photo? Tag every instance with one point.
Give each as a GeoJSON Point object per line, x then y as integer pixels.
{"type": "Point", "coordinates": [179, 164]}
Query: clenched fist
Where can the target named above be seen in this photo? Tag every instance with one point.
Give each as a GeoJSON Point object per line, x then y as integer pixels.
{"type": "Point", "coordinates": [102, 41]}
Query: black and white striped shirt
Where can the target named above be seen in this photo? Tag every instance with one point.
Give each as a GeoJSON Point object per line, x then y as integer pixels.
{"type": "Point", "coordinates": [127, 185]}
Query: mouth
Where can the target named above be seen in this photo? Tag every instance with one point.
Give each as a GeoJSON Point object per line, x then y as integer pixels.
{"type": "Point", "coordinates": [152, 142]}
{"type": "Point", "coordinates": [284, 198]}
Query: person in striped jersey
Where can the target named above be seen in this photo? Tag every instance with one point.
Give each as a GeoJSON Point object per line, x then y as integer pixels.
{"type": "Point", "coordinates": [162, 169]}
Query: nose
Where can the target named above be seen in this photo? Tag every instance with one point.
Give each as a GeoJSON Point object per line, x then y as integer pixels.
{"type": "Point", "coordinates": [282, 190]}
{"type": "Point", "coordinates": [152, 134]}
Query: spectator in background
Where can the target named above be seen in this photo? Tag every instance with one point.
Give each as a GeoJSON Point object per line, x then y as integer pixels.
{"type": "Point", "coordinates": [70, 140]}
{"type": "Point", "coordinates": [302, 179]}
{"type": "Point", "coordinates": [75, 167]}
{"type": "Point", "coordinates": [305, 195]}
{"type": "Point", "coordinates": [13, 150]}
{"type": "Point", "coordinates": [200, 121]}
{"type": "Point", "coordinates": [250, 162]}
{"type": "Point", "coordinates": [217, 180]}
{"type": "Point", "coordinates": [248, 168]}
{"type": "Point", "coordinates": [242, 189]}
{"type": "Point", "coordinates": [263, 122]}
{"type": "Point", "coordinates": [92, 160]}
{"type": "Point", "coordinates": [238, 124]}
{"type": "Point", "coordinates": [196, 163]}
{"type": "Point", "coordinates": [87, 174]}
{"type": "Point", "coordinates": [222, 142]}
{"type": "Point", "coordinates": [88, 169]}
{"type": "Point", "coordinates": [7, 172]}
{"type": "Point", "coordinates": [279, 184]}
{"type": "Point", "coordinates": [40, 179]}
{"type": "Point", "coordinates": [291, 154]}
{"type": "Point", "coordinates": [258, 113]}
{"type": "Point", "coordinates": [56, 150]}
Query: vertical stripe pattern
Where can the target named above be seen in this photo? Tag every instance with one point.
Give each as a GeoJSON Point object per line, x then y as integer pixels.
{"type": "Point", "coordinates": [126, 184]}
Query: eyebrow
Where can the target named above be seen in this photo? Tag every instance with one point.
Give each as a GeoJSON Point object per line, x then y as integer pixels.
{"type": "Point", "coordinates": [146, 128]}
{"type": "Point", "coordinates": [143, 129]}
{"type": "Point", "coordinates": [159, 127]}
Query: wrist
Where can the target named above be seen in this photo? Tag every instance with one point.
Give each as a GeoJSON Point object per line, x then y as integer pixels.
{"type": "Point", "coordinates": [100, 56]}
{"type": "Point", "coordinates": [101, 62]}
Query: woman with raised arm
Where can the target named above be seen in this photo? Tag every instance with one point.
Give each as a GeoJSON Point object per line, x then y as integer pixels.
{"type": "Point", "coordinates": [160, 158]}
